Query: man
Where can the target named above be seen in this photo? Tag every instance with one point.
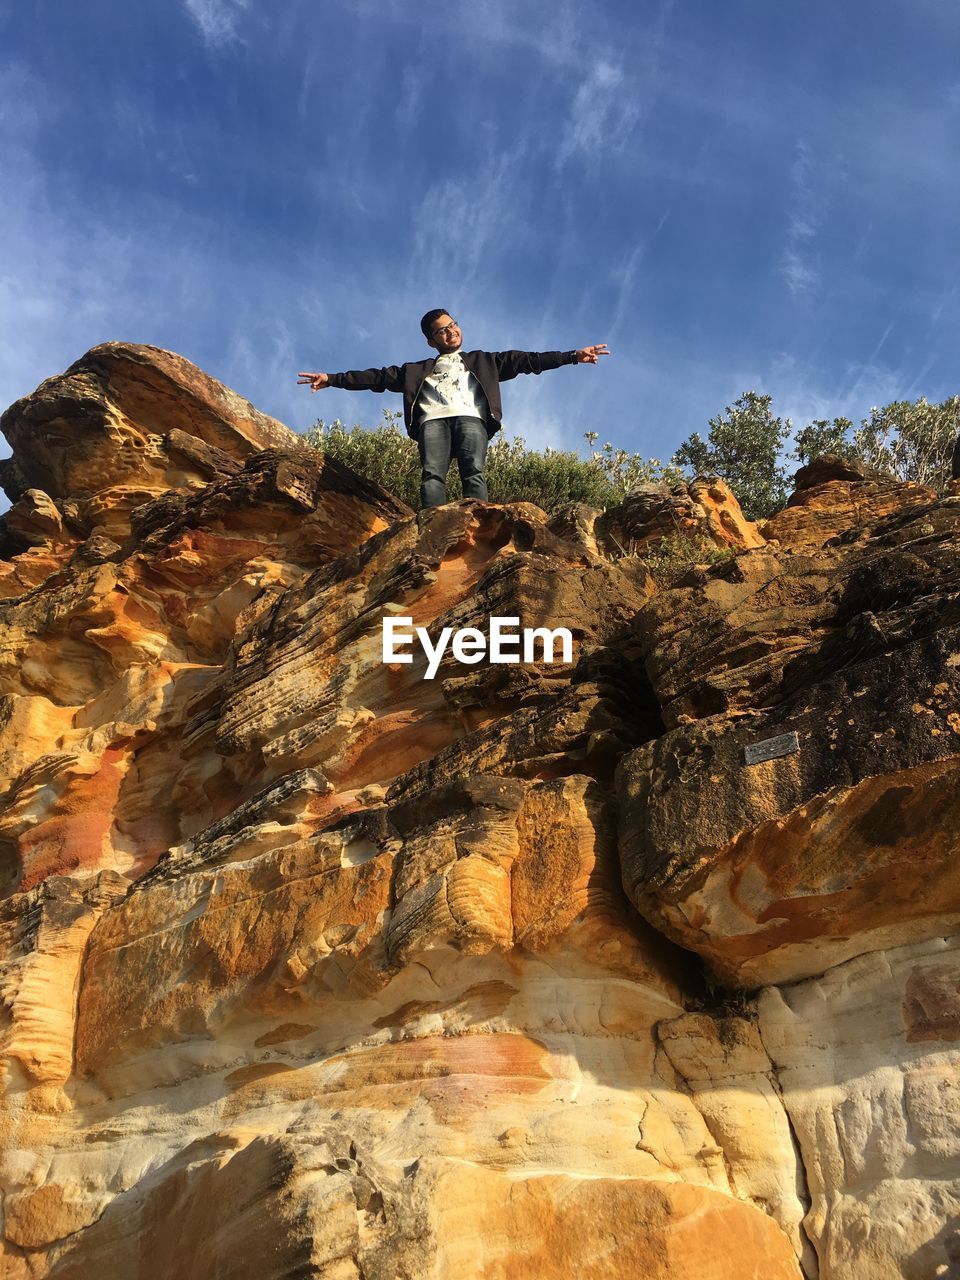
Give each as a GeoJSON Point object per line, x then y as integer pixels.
{"type": "Point", "coordinates": [451, 403]}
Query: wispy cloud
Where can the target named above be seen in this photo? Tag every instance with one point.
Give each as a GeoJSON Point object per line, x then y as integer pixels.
{"type": "Point", "coordinates": [306, 87]}
{"type": "Point", "coordinates": [866, 373]}
{"type": "Point", "coordinates": [804, 392]}
{"type": "Point", "coordinates": [217, 19]}
{"type": "Point", "coordinates": [76, 273]}
{"type": "Point", "coordinates": [412, 90]}
{"type": "Point", "coordinates": [459, 218]}
{"type": "Point", "coordinates": [550, 30]}
{"type": "Point", "coordinates": [626, 276]}
{"type": "Point", "coordinates": [800, 266]}
{"type": "Point", "coordinates": [603, 112]}
{"type": "Point", "coordinates": [618, 89]}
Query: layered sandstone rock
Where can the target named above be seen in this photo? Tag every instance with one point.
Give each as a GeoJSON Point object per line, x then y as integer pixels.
{"type": "Point", "coordinates": [314, 966]}
{"type": "Point", "coordinates": [704, 509]}
{"type": "Point", "coordinates": [868, 1062]}
{"type": "Point", "coordinates": [832, 496]}
{"type": "Point", "coordinates": [797, 826]}
{"type": "Point", "coordinates": [777, 868]}
{"type": "Point", "coordinates": [130, 420]}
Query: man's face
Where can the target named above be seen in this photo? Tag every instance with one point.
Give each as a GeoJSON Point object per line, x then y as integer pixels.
{"type": "Point", "coordinates": [445, 334]}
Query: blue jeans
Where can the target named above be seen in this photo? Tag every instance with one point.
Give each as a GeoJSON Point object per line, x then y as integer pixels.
{"type": "Point", "coordinates": [439, 439]}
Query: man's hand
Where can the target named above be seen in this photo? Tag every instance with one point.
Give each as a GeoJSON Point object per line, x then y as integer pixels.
{"type": "Point", "coordinates": [590, 355]}
{"type": "Point", "coordinates": [315, 381]}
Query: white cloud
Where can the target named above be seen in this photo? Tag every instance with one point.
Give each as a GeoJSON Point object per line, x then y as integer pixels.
{"type": "Point", "coordinates": [217, 19]}
{"type": "Point", "coordinates": [802, 394]}
{"type": "Point", "coordinates": [800, 265]}
{"type": "Point", "coordinates": [610, 102]}
{"type": "Point", "coordinates": [800, 272]}
{"type": "Point", "coordinates": [306, 86]}
{"type": "Point", "coordinates": [603, 113]}
{"type": "Point", "coordinates": [459, 218]}
{"type": "Point", "coordinates": [552, 30]}
{"type": "Point", "coordinates": [626, 277]}
{"type": "Point", "coordinates": [411, 99]}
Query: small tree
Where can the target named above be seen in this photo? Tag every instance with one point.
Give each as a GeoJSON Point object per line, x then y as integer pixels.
{"type": "Point", "coordinates": [821, 437]}
{"type": "Point", "coordinates": [908, 439]}
{"type": "Point", "coordinates": [744, 447]}
{"type": "Point", "coordinates": [626, 471]}
{"type": "Point", "coordinates": [911, 440]}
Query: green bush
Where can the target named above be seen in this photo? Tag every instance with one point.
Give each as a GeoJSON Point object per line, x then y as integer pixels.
{"type": "Point", "coordinates": [551, 479]}
{"type": "Point", "coordinates": [908, 439]}
{"type": "Point", "coordinates": [671, 556]}
{"type": "Point", "coordinates": [911, 440]}
{"type": "Point", "coordinates": [385, 455]}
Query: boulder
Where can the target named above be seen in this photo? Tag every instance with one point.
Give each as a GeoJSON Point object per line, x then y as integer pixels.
{"type": "Point", "coordinates": [832, 497]}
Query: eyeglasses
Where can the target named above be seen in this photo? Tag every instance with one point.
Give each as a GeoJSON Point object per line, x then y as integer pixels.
{"type": "Point", "coordinates": [447, 328]}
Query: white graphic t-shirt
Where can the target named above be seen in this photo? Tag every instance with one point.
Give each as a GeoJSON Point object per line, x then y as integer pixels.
{"type": "Point", "coordinates": [451, 391]}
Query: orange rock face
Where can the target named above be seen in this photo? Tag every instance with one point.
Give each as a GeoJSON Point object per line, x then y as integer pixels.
{"type": "Point", "coordinates": [314, 966]}
{"type": "Point", "coordinates": [128, 421]}
{"type": "Point", "coordinates": [832, 497]}
{"type": "Point", "coordinates": [704, 508]}
{"type": "Point", "coordinates": [846, 663]}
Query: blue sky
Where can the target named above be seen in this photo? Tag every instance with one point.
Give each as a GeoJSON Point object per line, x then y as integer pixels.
{"type": "Point", "coordinates": [736, 195]}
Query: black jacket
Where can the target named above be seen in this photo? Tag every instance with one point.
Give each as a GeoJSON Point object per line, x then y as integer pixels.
{"type": "Point", "coordinates": [490, 368]}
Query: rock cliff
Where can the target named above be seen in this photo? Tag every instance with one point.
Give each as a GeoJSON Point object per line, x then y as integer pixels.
{"type": "Point", "coordinates": [640, 964]}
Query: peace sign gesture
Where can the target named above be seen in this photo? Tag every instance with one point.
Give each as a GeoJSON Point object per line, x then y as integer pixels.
{"type": "Point", "coordinates": [591, 355]}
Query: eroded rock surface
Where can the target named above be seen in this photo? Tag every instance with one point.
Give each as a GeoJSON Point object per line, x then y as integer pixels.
{"type": "Point", "coordinates": [867, 1058]}
{"type": "Point", "coordinates": [800, 817]}
{"type": "Point", "coordinates": [832, 497]}
{"type": "Point", "coordinates": [314, 966]}
{"type": "Point", "coordinates": [848, 837]}
{"type": "Point", "coordinates": [705, 508]}
{"type": "Point", "coordinates": [128, 420]}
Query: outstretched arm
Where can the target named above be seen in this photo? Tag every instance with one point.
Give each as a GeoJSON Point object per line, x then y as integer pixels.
{"type": "Point", "coordinates": [390, 378]}
{"type": "Point", "coordinates": [512, 363]}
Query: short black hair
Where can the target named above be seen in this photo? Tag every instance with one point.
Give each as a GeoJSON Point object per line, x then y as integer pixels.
{"type": "Point", "coordinates": [430, 319]}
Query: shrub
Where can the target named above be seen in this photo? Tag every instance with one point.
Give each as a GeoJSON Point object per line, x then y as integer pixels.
{"type": "Point", "coordinates": [385, 455]}
{"type": "Point", "coordinates": [909, 439]}
{"type": "Point", "coordinates": [671, 556]}
{"type": "Point", "coordinates": [551, 479]}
